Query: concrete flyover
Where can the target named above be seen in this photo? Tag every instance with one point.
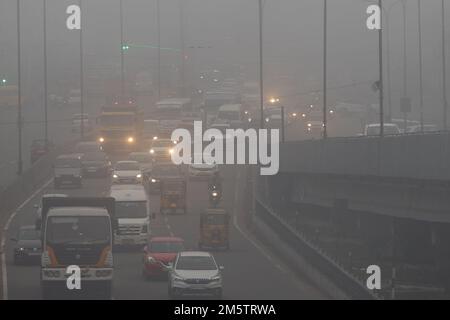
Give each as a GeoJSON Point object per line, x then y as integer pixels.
{"type": "Point", "coordinates": [390, 194]}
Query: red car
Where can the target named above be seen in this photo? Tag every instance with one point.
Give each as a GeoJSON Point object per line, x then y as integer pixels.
{"type": "Point", "coordinates": [159, 252]}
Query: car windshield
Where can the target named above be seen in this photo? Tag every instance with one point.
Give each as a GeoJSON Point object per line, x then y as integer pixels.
{"type": "Point", "coordinates": [132, 166]}
{"type": "Point", "coordinates": [166, 246]}
{"type": "Point", "coordinates": [94, 156]}
{"type": "Point", "coordinates": [141, 157]}
{"type": "Point", "coordinates": [87, 147]}
{"type": "Point", "coordinates": [131, 209]}
{"type": "Point", "coordinates": [117, 120]}
{"type": "Point", "coordinates": [162, 144]}
{"type": "Point", "coordinates": [196, 263]}
{"type": "Point", "coordinates": [78, 230]}
{"type": "Point", "coordinates": [169, 170]}
{"type": "Point", "coordinates": [29, 234]}
{"type": "Point", "coordinates": [375, 130]}
{"type": "Point", "coordinates": [67, 163]}
{"type": "Point", "coordinates": [215, 219]}
{"type": "Point", "coordinates": [229, 115]}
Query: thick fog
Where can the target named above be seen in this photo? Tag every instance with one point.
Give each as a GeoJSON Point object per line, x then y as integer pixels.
{"type": "Point", "coordinates": [228, 32]}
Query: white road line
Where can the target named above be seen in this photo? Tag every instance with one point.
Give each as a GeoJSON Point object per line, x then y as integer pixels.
{"type": "Point", "coordinates": [3, 241]}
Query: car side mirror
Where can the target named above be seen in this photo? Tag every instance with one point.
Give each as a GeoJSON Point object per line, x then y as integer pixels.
{"type": "Point", "coordinates": [221, 268]}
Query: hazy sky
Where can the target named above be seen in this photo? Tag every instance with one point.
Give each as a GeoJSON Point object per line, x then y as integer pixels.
{"type": "Point", "coordinates": [292, 43]}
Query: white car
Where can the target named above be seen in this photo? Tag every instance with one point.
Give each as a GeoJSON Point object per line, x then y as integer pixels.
{"type": "Point", "coordinates": [195, 273]}
{"type": "Point", "coordinates": [127, 172]}
{"type": "Point", "coordinates": [388, 129]}
{"type": "Point", "coordinates": [202, 170]}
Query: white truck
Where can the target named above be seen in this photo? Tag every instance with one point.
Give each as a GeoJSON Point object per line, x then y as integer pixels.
{"type": "Point", "coordinates": [77, 232]}
{"type": "Point", "coordinates": [132, 212]}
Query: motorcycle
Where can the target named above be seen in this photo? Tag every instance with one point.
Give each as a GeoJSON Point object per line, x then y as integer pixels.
{"type": "Point", "coordinates": [215, 195]}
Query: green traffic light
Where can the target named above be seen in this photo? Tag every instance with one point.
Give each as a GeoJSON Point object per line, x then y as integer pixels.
{"type": "Point", "coordinates": [125, 47]}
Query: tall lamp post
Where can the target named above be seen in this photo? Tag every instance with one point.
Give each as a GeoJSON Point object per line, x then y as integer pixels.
{"type": "Point", "coordinates": [19, 95]}
{"type": "Point", "coordinates": [325, 49]}
{"type": "Point", "coordinates": [81, 73]}
{"type": "Point", "coordinates": [158, 23]}
{"type": "Point", "coordinates": [122, 51]}
{"type": "Point", "coordinates": [261, 74]}
{"type": "Point", "coordinates": [45, 73]}
{"type": "Point", "coordinates": [419, 13]}
{"type": "Point", "coordinates": [444, 69]}
{"type": "Point", "coordinates": [380, 64]}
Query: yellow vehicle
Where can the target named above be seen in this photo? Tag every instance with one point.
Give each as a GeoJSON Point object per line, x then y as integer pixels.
{"type": "Point", "coordinates": [173, 196]}
{"type": "Point", "coordinates": [214, 229]}
{"type": "Point", "coordinates": [9, 96]}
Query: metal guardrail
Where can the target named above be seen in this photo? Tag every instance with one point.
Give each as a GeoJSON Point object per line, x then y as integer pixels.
{"type": "Point", "coordinates": [352, 286]}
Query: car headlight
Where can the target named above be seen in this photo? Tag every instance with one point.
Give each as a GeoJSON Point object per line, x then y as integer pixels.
{"type": "Point", "coordinates": [309, 125]}
{"type": "Point", "coordinates": [150, 259]}
{"type": "Point", "coordinates": [267, 119]}
{"type": "Point", "coordinates": [152, 151]}
{"type": "Point", "coordinates": [214, 194]}
{"type": "Point", "coordinates": [216, 279]}
{"type": "Point", "coordinates": [101, 139]}
{"type": "Point", "coordinates": [139, 176]}
{"type": "Point", "coordinates": [130, 139]}
{"type": "Point", "coordinates": [170, 151]}
{"type": "Point", "coordinates": [21, 249]}
{"type": "Point", "coordinates": [115, 176]}
{"type": "Point", "coordinates": [153, 180]}
{"type": "Point", "coordinates": [177, 279]}
{"type": "Point", "coordinates": [155, 138]}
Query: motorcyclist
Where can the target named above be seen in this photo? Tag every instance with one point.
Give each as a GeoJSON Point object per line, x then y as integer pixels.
{"type": "Point", "coordinates": [216, 183]}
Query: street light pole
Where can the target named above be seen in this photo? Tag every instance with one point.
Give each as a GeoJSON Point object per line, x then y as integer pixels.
{"type": "Point", "coordinates": [45, 74]}
{"type": "Point", "coordinates": [19, 102]}
{"type": "Point", "coordinates": [444, 68]}
{"type": "Point", "coordinates": [261, 74]}
{"type": "Point", "coordinates": [419, 12]}
{"type": "Point", "coordinates": [81, 73]}
{"type": "Point", "coordinates": [380, 59]}
{"type": "Point", "coordinates": [183, 53]}
{"type": "Point", "coordinates": [122, 49]}
{"type": "Point", "coordinates": [325, 44]}
{"type": "Point", "coordinates": [405, 65]}
{"type": "Point", "coordinates": [158, 22]}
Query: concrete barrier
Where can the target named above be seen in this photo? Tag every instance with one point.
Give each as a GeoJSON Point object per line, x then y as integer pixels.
{"type": "Point", "coordinates": [416, 156]}
{"type": "Point", "coordinates": [309, 259]}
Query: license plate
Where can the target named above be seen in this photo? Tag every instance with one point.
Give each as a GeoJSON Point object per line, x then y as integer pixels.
{"type": "Point", "coordinates": [128, 241]}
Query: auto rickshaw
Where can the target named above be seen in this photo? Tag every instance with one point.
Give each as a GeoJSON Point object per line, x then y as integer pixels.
{"type": "Point", "coordinates": [173, 196]}
{"type": "Point", "coordinates": [214, 229]}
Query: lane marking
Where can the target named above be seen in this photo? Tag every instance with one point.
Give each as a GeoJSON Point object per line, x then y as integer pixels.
{"type": "Point", "coordinates": [5, 230]}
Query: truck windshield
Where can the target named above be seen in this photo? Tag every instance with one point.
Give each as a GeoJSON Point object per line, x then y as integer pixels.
{"type": "Point", "coordinates": [68, 163]}
{"type": "Point", "coordinates": [117, 120]}
{"type": "Point", "coordinates": [78, 230]}
{"type": "Point", "coordinates": [131, 209]}
{"type": "Point", "coordinates": [229, 115]}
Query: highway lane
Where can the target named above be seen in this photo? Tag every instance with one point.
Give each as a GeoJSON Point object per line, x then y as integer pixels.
{"type": "Point", "coordinates": [248, 274]}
